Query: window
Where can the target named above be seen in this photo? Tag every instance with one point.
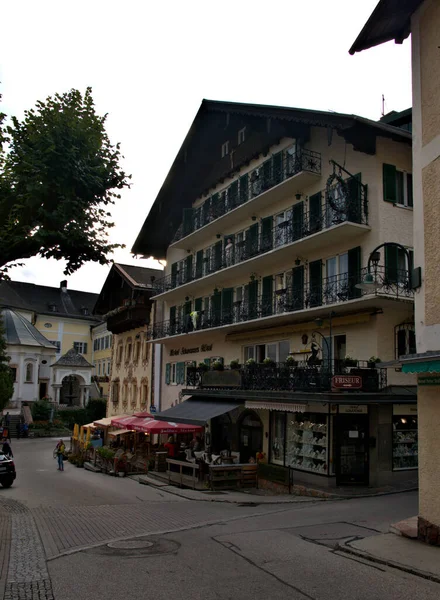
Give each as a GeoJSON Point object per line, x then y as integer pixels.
{"type": "Point", "coordinates": [336, 287]}
{"type": "Point", "coordinates": [241, 135]}
{"type": "Point", "coordinates": [119, 354]}
{"type": "Point", "coordinates": [108, 367]}
{"type": "Point", "coordinates": [57, 345]}
{"type": "Point", "coordinates": [128, 352]}
{"type": "Point", "coordinates": [14, 373]}
{"type": "Point", "coordinates": [397, 265]}
{"type": "Point", "coordinates": [276, 351]}
{"type": "Point", "coordinates": [397, 186]}
{"type": "Point", "coordinates": [173, 379]}
{"type": "Point", "coordinates": [80, 347]}
{"type": "Point", "coordinates": [405, 339]}
{"type": "Point", "coordinates": [85, 311]}
{"type": "Point", "coordinates": [144, 397]}
{"type": "Point", "coordinates": [134, 393]}
{"type": "Point", "coordinates": [282, 233]}
{"type": "Point", "coordinates": [99, 368]}
{"type": "Point", "coordinates": [29, 373]}
{"type": "Point", "coordinates": [225, 148]}
{"type": "Point", "coordinates": [115, 392]}
{"type": "Point", "coordinates": [95, 345]}
{"type": "Point", "coordinates": [137, 351]}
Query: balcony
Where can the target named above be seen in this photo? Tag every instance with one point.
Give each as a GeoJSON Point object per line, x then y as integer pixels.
{"type": "Point", "coordinates": [283, 174]}
{"type": "Point", "coordinates": [298, 298]}
{"type": "Point", "coordinates": [305, 231]}
{"type": "Point", "coordinates": [127, 317]}
{"type": "Point", "coordinates": [284, 377]}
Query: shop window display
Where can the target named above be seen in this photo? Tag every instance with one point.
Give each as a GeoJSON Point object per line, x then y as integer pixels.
{"type": "Point", "coordinates": [405, 442]}
{"type": "Point", "coordinates": [307, 442]}
{"type": "Point", "coordinates": [277, 437]}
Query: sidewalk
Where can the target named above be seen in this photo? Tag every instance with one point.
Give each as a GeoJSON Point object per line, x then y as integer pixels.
{"type": "Point", "coordinates": [300, 493]}
{"type": "Point", "coordinates": [399, 552]}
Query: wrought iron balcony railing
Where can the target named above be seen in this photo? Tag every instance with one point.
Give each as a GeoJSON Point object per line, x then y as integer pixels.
{"type": "Point", "coordinates": [237, 249]}
{"type": "Point", "coordinates": [301, 376]}
{"type": "Point", "coordinates": [296, 296]}
{"type": "Point", "coordinates": [278, 168]}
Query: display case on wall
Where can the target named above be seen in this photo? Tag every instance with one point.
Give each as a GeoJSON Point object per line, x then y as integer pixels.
{"type": "Point", "coordinates": [405, 438]}
{"type": "Point", "coordinates": [307, 442]}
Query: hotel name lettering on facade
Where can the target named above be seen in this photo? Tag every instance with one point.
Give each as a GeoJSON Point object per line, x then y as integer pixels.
{"type": "Point", "coordinates": [181, 351]}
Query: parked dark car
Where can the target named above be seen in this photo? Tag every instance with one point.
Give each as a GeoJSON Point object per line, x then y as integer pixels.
{"type": "Point", "coordinates": [7, 471]}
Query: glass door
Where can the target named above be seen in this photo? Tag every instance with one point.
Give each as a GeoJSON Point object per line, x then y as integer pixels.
{"type": "Point", "coordinates": [352, 466]}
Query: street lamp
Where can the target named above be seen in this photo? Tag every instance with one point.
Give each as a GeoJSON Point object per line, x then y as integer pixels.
{"type": "Point", "coordinates": [319, 322]}
{"type": "Point", "coordinates": [370, 283]}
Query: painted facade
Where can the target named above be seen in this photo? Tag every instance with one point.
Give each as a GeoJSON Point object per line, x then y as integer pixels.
{"type": "Point", "coordinates": [102, 341]}
{"type": "Point", "coordinates": [261, 274]}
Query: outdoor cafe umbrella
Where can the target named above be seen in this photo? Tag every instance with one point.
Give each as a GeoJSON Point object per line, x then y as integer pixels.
{"type": "Point", "coordinates": [151, 426]}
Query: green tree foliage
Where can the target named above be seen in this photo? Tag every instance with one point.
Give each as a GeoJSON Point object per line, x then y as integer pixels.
{"type": "Point", "coordinates": [6, 382]}
{"type": "Point", "coordinates": [41, 410]}
{"type": "Point", "coordinates": [58, 175]}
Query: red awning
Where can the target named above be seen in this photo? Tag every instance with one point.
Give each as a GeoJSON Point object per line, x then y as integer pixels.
{"type": "Point", "coordinates": [152, 426]}
{"type": "Point", "coordinates": [124, 422]}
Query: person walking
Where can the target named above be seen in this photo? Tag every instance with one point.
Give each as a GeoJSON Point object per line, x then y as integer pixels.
{"type": "Point", "coordinates": [7, 420]}
{"type": "Point", "coordinates": [6, 448]}
{"type": "Point", "coordinates": [60, 449]}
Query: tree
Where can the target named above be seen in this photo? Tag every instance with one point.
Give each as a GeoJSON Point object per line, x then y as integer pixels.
{"type": "Point", "coordinates": [6, 381]}
{"type": "Point", "coordinates": [58, 175]}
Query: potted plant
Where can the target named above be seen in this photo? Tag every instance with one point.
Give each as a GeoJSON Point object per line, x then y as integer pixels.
{"type": "Point", "coordinates": [268, 362]}
{"type": "Point", "coordinates": [349, 361]}
{"type": "Point", "coordinates": [217, 365]}
{"type": "Point", "coordinates": [291, 361]}
{"type": "Point", "coordinates": [372, 361]}
{"type": "Point", "coordinates": [203, 366]}
{"type": "Point", "coordinates": [250, 362]}
{"type": "Point", "coordinates": [234, 364]}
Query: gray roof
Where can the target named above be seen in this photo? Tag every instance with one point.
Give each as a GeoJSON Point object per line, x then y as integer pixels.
{"type": "Point", "coordinates": [20, 332]}
{"type": "Point", "coordinates": [139, 276]}
{"type": "Point", "coordinates": [47, 300]}
{"type": "Point", "coordinates": [72, 359]}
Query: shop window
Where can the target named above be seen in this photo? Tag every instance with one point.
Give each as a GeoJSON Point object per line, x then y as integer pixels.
{"type": "Point", "coordinates": [405, 437]}
{"type": "Point", "coordinates": [405, 339]}
{"type": "Point", "coordinates": [277, 437]}
{"type": "Point", "coordinates": [307, 442]}
{"type": "Point", "coordinates": [29, 373]}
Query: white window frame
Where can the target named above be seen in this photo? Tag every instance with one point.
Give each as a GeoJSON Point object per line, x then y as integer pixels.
{"type": "Point", "coordinates": [405, 175]}
{"type": "Point", "coordinates": [241, 135]}
{"type": "Point", "coordinates": [254, 346]}
{"type": "Point", "coordinates": [225, 148]}
{"type": "Point", "coordinates": [173, 373]}
{"type": "Point", "coordinates": [80, 347]}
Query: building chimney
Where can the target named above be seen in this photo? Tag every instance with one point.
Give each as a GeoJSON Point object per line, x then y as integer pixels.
{"type": "Point", "coordinates": [63, 285]}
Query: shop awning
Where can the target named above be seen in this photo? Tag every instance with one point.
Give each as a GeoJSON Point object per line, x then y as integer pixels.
{"type": "Point", "coordinates": [125, 421]}
{"type": "Point", "coordinates": [196, 412]}
{"type": "Point", "coordinates": [283, 406]}
{"type": "Point", "coordinates": [120, 432]}
{"type": "Point", "coordinates": [107, 421]}
{"type": "Point", "coordinates": [89, 426]}
{"type": "Point", "coordinates": [425, 366]}
{"type": "Point", "coordinates": [169, 427]}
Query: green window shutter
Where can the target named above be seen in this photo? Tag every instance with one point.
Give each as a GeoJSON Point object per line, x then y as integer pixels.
{"type": "Point", "coordinates": [206, 211]}
{"type": "Point", "coordinates": [253, 300]}
{"type": "Point", "coordinates": [216, 307]}
{"type": "Point", "coordinates": [267, 234]}
{"type": "Point", "coordinates": [198, 304]}
{"type": "Point", "coordinates": [244, 188]}
{"type": "Point", "coordinates": [188, 268]}
{"type": "Point", "coordinates": [207, 361]}
{"type": "Point", "coordinates": [277, 167]}
{"type": "Point", "coordinates": [218, 247]}
{"type": "Point", "coordinates": [315, 212]}
{"type": "Point", "coordinates": [297, 221]}
{"type": "Point", "coordinates": [174, 267]}
{"type": "Point", "coordinates": [315, 283]}
{"type": "Point", "coordinates": [354, 200]}
{"type": "Point", "coordinates": [215, 203]}
{"type": "Point", "coordinates": [252, 240]}
{"type": "Point", "coordinates": [227, 301]}
{"type": "Point", "coordinates": [266, 175]}
{"type": "Point", "coordinates": [297, 301]}
{"type": "Point", "coordinates": [173, 310]}
{"type": "Point", "coordinates": [199, 264]}
{"type": "Point", "coordinates": [188, 221]}
{"type": "Point", "coordinates": [389, 183]}
{"type": "Point", "coordinates": [168, 373]}
{"type": "Point", "coordinates": [267, 296]}
{"type": "Point", "coordinates": [233, 195]}
{"type": "Point", "coordinates": [354, 272]}
{"type": "Point", "coordinates": [391, 264]}
{"type": "Point", "coordinates": [180, 373]}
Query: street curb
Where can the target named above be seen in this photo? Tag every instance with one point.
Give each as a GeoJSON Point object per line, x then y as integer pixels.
{"type": "Point", "coordinates": [315, 494]}
{"type": "Point", "coordinates": [388, 563]}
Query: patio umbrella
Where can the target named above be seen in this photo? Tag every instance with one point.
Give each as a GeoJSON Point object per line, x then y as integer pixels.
{"type": "Point", "coordinates": [151, 426]}
{"type": "Point", "coordinates": [126, 422]}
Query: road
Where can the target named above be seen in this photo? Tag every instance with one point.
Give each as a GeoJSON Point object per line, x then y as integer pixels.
{"type": "Point", "coordinates": [78, 534]}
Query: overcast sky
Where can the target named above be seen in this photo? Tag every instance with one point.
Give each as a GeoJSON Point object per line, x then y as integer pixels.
{"type": "Point", "coordinates": [151, 63]}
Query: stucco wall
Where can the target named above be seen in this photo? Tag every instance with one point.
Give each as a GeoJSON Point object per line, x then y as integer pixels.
{"type": "Point", "coordinates": [429, 453]}
{"type": "Point", "coordinates": [430, 70]}
{"type": "Point", "coordinates": [431, 196]}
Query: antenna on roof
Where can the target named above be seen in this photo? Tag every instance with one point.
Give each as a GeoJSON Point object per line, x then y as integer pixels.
{"type": "Point", "coordinates": [383, 105]}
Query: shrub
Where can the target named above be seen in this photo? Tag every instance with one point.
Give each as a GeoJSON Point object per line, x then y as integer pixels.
{"type": "Point", "coordinates": [41, 410]}
{"type": "Point", "coordinates": [217, 365]}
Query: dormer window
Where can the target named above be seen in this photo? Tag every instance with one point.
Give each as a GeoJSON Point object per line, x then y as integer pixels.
{"type": "Point", "coordinates": [53, 307]}
{"type": "Point", "coordinates": [241, 135]}
{"type": "Point", "coordinates": [225, 148]}
{"type": "Point", "coordinates": [85, 311]}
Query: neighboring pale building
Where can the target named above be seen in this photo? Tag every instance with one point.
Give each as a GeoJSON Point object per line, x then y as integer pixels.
{"type": "Point", "coordinates": [63, 316]}
{"type": "Point", "coordinates": [267, 220]}
{"type": "Point", "coordinates": [395, 20]}
{"type": "Point", "coordinates": [31, 356]}
{"type": "Point", "coordinates": [102, 341]}
{"type": "Point", "coordinates": [124, 304]}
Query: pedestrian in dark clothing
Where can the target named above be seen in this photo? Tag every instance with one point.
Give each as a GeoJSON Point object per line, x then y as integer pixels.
{"type": "Point", "coordinates": [7, 420]}
{"type": "Point", "coordinates": [6, 449]}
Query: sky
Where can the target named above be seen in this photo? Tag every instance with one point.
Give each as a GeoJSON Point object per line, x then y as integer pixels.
{"type": "Point", "coordinates": [151, 63]}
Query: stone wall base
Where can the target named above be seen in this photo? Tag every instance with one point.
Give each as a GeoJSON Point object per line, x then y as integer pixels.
{"type": "Point", "coordinates": [428, 532]}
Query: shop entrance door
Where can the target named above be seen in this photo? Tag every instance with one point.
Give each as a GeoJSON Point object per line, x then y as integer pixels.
{"type": "Point", "coordinates": [251, 436]}
{"type": "Point", "coordinates": [352, 466]}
